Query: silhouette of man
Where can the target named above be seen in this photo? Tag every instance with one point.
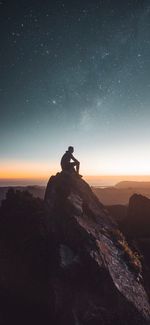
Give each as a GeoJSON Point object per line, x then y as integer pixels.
{"type": "Point", "coordinates": [67, 164]}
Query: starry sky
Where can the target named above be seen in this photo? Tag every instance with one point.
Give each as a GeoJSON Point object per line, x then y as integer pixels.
{"type": "Point", "coordinates": [74, 73]}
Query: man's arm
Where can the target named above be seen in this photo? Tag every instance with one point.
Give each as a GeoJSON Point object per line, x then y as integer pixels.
{"type": "Point", "coordinates": [74, 159]}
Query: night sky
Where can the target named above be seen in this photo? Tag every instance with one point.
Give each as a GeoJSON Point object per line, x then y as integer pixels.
{"type": "Point", "coordinates": [74, 73]}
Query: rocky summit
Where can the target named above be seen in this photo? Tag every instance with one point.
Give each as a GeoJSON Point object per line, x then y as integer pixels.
{"type": "Point", "coordinates": [94, 278]}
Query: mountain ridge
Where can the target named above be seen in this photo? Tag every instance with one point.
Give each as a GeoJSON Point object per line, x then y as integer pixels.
{"type": "Point", "coordinates": [132, 184]}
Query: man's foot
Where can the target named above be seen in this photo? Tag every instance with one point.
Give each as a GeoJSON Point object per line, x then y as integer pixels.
{"type": "Point", "coordinates": [80, 175]}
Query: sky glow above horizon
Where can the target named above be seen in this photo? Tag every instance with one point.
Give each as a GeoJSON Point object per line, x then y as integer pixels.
{"type": "Point", "coordinates": [75, 73]}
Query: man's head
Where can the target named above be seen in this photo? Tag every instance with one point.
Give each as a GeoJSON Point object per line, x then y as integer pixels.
{"type": "Point", "coordinates": [71, 149]}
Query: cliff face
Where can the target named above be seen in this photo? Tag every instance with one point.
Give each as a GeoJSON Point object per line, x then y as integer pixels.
{"type": "Point", "coordinates": [96, 278]}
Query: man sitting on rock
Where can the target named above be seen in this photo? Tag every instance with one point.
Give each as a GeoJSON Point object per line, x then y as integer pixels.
{"type": "Point", "coordinates": [66, 163]}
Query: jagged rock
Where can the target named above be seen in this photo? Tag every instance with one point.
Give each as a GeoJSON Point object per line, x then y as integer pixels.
{"type": "Point", "coordinates": [96, 275]}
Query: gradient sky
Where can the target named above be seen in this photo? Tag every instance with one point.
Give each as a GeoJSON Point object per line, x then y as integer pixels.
{"type": "Point", "coordinates": [74, 73]}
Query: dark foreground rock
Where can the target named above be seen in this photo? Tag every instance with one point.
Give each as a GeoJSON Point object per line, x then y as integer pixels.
{"type": "Point", "coordinates": [96, 278]}
{"type": "Point", "coordinates": [23, 261]}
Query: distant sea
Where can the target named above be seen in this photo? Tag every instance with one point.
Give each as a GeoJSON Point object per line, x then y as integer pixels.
{"type": "Point", "coordinates": [106, 181]}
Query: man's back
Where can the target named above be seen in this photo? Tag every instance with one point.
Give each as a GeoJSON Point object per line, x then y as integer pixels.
{"type": "Point", "coordinates": [65, 160]}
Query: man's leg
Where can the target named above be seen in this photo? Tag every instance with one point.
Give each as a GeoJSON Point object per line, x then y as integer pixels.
{"type": "Point", "coordinates": [71, 167]}
{"type": "Point", "coordinates": [77, 167]}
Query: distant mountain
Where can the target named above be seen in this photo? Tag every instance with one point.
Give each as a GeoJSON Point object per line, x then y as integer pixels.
{"type": "Point", "coordinates": [132, 184]}
{"type": "Point", "coordinates": [36, 191]}
{"type": "Point", "coordinates": [119, 195]}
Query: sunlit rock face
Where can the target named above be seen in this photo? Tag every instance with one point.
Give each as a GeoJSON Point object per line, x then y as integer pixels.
{"type": "Point", "coordinates": [96, 278]}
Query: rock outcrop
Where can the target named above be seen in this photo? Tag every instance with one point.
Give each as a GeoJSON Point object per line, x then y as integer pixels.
{"type": "Point", "coordinates": [137, 223]}
{"type": "Point", "coordinates": [95, 278]}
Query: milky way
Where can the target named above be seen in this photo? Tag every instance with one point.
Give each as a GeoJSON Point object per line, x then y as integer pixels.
{"type": "Point", "coordinates": [76, 73]}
